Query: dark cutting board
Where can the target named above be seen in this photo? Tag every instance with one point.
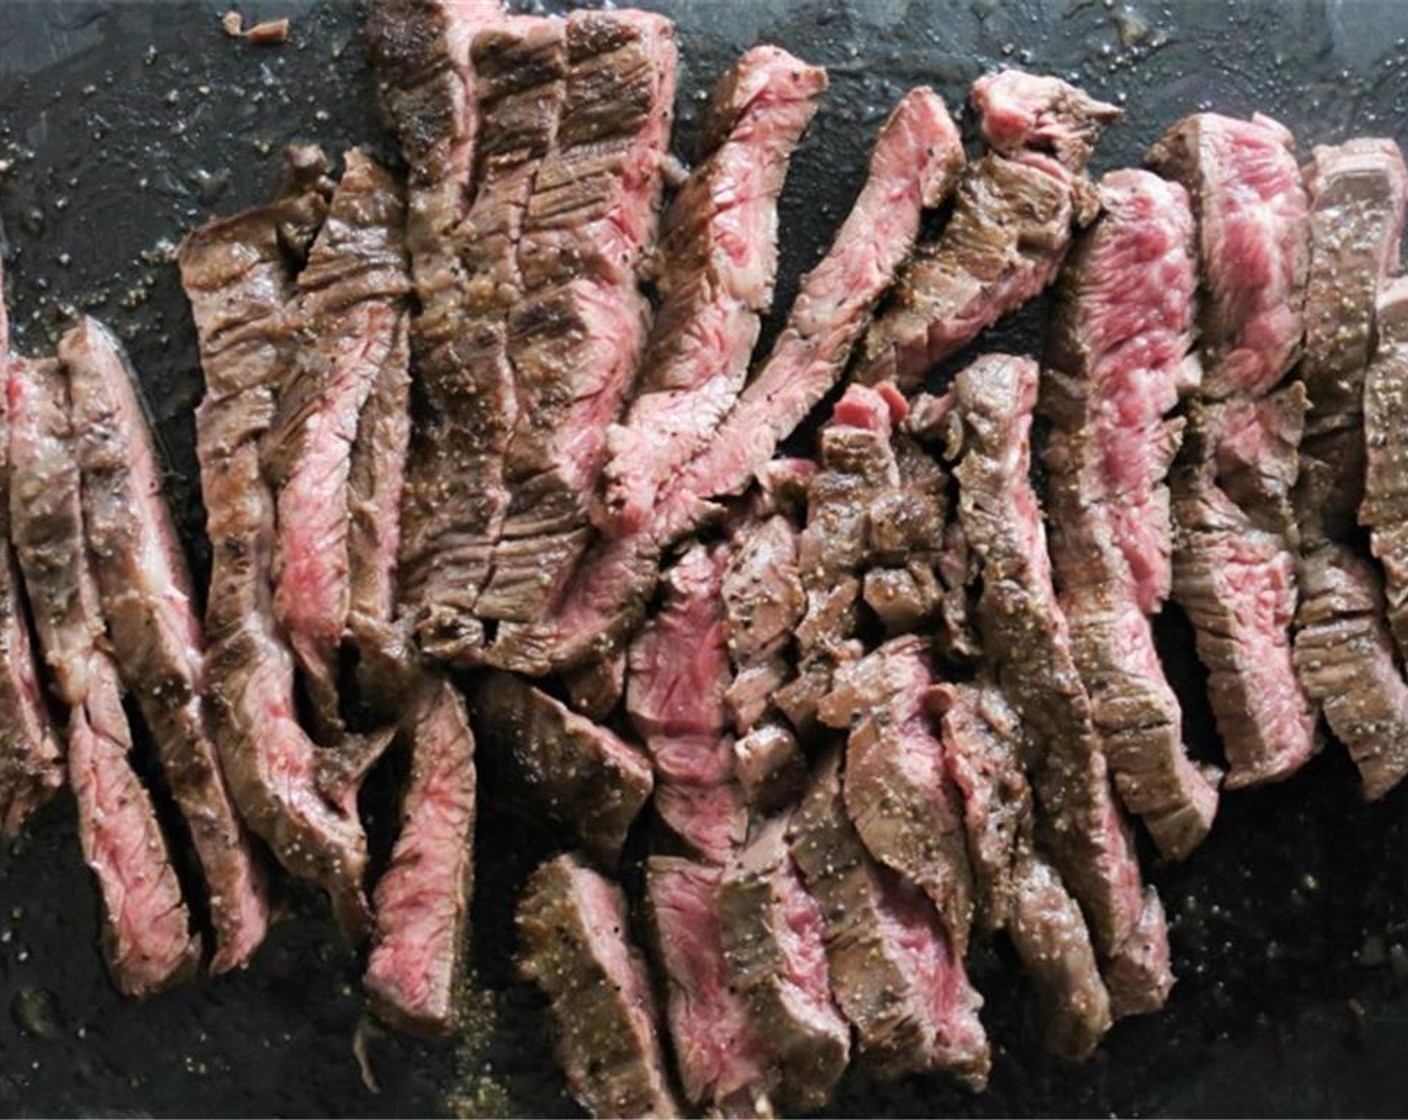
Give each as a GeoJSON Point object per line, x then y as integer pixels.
{"type": "Point", "coordinates": [126, 123]}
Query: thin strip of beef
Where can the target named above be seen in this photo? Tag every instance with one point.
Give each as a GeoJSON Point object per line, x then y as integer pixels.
{"type": "Point", "coordinates": [148, 603]}
{"type": "Point", "coordinates": [581, 776]}
{"type": "Point", "coordinates": [1117, 359]}
{"type": "Point", "coordinates": [576, 339]}
{"type": "Point", "coordinates": [1027, 635]}
{"type": "Point", "coordinates": [678, 677]}
{"type": "Point", "coordinates": [1017, 889]}
{"type": "Point", "coordinates": [351, 314]}
{"type": "Point", "coordinates": [899, 795]}
{"type": "Point", "coordinates": [422, 899]}
{"type": "Point", "coordinates": [893, 970]}
{"type": "Point", "coordinates": [718, 253]}
{"type": "Point", "coordinates": [913, 166]}
{"type": "Point", "coordinates": [773, 938]}
{"type": "Point", "coordinates": [236, 273]}
{"type": "Point", "coordinates": [1345, 658]}
{"type": "Point", "coordinates": [147, 938]}
{"type": "Point", "coordinates": [573, 934]}
{"type": "Point", "coordinates": [1010, 228]}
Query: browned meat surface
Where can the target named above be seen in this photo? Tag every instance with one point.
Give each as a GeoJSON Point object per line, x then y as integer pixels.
{"type": "Point", "coordinates": [146, 926]}
{"type": "Point", "coordinates": [764, 600]}
{"type": "Point", "coordinates": [1010, 228]}
{"type": "Point", "coordinates": [596, 688]}
{"type": "Point", "coordinates": [771, 767]}
{"type": "Point", "coordinates": [575, 945]}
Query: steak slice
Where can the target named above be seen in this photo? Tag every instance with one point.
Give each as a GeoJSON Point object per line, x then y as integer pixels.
{"type": "Point", "coordinates": [575, 945]}
{"type": "Point", "coordinates": [1118, 357]}
{"type": "Point", "coordinates": [913, 167]}
{"type": "Point", "coordinates": [718, 262]}
{"type": "Point", "coordinates": [351, 306]}
{"type": "Point", "coordinates": [146, 926]}
{"type": "Point", "coordinates": [236, 274]}
{"type": "Point", "coordinates": [893, 970]}
{"type": "Point", "coordinates": [422, 899]}
{"type": "Point", "coordinates": [581, 776]}
{"type": "Point", "coordinates": [148, 602]}
{"type": "Point", "coordinates": [1010, 228]}
{"type": "Point", "coordinates": [1252, 228]}
{"type": "Point", "coordinates": [1028, 636]}
{"type": "Point", "coordinates": [773, 939]}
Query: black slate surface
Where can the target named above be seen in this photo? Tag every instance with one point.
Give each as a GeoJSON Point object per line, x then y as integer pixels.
{"type": "Point", "coordinates": [124, 124]}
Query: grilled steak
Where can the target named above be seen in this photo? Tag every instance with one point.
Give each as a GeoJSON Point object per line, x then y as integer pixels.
{"type": "Point", "coordinates": [352, 316]}
{"type": "Point", "coordinates": [1011, 226]}
{"type": "Point", "coordinates": [146, 926]}
{"type": "Point", "coordinates": [148, 602]}
{"type": "Point", "coordinates": [913, 166]}
{"type": "Point", "coordinates": [718, 253]}
{"type": "Point", "coordinates": [1118, 356]}
{"type": "Point", "coordinates": [575, 945]}
{"type": "Point", "coordinates": [422, 899]}
{"type": "Point", "coordinates": [774, 944]}
{"type": "Point", "coordinates": [894, 972]}
{"type": "Point", "coordinates": [679, 673]}
{"type": "Point", "coordinates": [596, 688]}
{"type": "Point", "coordinates": [907, 588]}
{"type": "Point", "coordinates": [579, 775]}
{"type": "Point", "coordinates": [1027, 635]}
{"type": "Point", "coordinates": [236, 273]}
{"type": "Point", "coordinates": [770, 766]}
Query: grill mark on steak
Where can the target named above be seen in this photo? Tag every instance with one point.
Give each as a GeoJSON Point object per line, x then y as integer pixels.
{"type": "Point", "coordinates": [581, 776]}
{"type": "Point", "coordinates": [148, 602]}
{"type": "Point", "coordinates": [718, 264]}
{"type": "Point", "coordinates": [1118, 356]}
{"type": "Point", "coordinates": [913, 167]}
{"type": "Point", "coordinates": [1010, 227]}
{"type": "Point", "coordinates": [422, 900]}
{"type": "Point", "coordinates": [146, 926]}
{"type": "Point", "coordinates": [573, 933]}
{"type": "Point", "coordinates": [1028, 636]}
{"type": "Point", "coordinates": [894, 973]}
{"type": "Point", "coordinates": [236, 274]}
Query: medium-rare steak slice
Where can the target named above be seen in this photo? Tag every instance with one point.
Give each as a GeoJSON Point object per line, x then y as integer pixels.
{"type": "Point", "coordinates": [1117, 358]}
{"type": "Point", "coordinates": [422, 899]}
{"type": "Point", "coordinates": [352, 314]}
{"type": "Point", "coordinates": [1344, 656]}
{"type": "Point", "coordinates": [1010, 228]}
{"type": "Point", "coordinates": [146, 926]}
{"type": "Point", "coordinates": [1384, 510]}
{"type": "Point", "coordinates": [236, 273]}
{"type": "Point", "coordinates": [718, 253]}
{"type": "Point", "coordinates": [1027, 635]}
{"type": "Point", "coordinates": [148, 603]}
{"type": "Point", "coordinates": [678, 677]}
{"type": "Point", "coordinates": [574, 937]}
{"type": "Point", "coordinates": [581, 776]}
{"type": "Point", "coordinates": [774, 944]}
{"type": "Point", "coordinates": [913, 167]}
{"type": "Point", "coordinates": [893, 970]}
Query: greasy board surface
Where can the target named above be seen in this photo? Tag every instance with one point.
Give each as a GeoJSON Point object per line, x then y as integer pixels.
{"type": "Point", "coordinates": [125, 124]}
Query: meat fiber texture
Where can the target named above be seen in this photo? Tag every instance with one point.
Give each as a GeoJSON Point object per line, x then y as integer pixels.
{"type": "Point", "coordinates": [1118, 357]}
{"type": "Point", "coordinates": [913, 167]}
{"type": "Point", "coordinates": [1234, 566]}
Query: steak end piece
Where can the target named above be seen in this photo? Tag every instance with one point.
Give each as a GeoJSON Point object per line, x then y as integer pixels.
{"type": "Point", "coordinates": [1020, 112]}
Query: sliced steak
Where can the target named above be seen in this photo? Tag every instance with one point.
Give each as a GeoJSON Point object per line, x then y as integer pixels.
{"type": "Point", "coordinates": [581, 776]}
{"type": "Point", "coordinates": [596, 688]}
{"type": "Point", "coordinates": [1384, 510]}
{"type": "Point", "coordinates": [764, 600]}
{"type": "Point", "coordinates": [573, 932]}
{"type": "Point", "coordinates": [422, 899]}
{"type": "Point", "coordinates": [893, 970]}
{"type": "Point", "coordinates": [146, 926]}
{"type": "Point", "coordinates": [913, 167]}
{"type": "Point", "coordinates": [1027, 635]}
{"type": "Point", "coordinates": [236, 273]}
{"type": "Point", "coordinates": [773, 937]}
{"type": "Point", "coordinates": [1010, 228]}
{"type": "Point", "coordinates": [148, 602]}
{"type": "Point", "coordinates": [718, 254]}
{"type": "Point", "coordinates": [771, 767]}
{"type": "Point", "coordinates": [1118, 356]}
{"type": "Point", "coordinates": [352, 312]}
